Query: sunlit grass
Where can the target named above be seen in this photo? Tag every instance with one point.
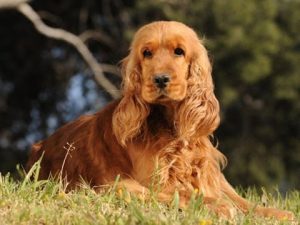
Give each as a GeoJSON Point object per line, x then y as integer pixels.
{"type": "Point", "coordinates": [46, 202]}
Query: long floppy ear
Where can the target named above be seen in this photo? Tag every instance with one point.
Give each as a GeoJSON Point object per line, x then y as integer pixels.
{"type": "Point", "coordinates": [130, 115]}
{"type": "Point", "coordinates": [198, 114]}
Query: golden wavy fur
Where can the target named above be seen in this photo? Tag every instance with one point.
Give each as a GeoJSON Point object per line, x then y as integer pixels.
{"type": "Point", "coordinates": [158, 133]}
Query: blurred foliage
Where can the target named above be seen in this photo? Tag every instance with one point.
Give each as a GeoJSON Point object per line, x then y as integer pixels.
{"type": "Point", "coordinates": [254, 46]}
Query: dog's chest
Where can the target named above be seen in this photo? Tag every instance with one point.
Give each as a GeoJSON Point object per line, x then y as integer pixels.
{"type": "Point", "coordinates": [144, 157]}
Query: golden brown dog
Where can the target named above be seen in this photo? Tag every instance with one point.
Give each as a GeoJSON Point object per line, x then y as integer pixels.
{"type": "Point", "coordinates": [159, 131]}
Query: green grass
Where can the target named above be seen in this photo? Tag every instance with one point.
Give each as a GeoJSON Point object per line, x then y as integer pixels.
{"type": "Point", "coordinates": [45, 202]}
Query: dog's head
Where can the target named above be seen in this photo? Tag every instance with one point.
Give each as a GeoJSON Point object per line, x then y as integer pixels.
{"type": "Point", "coordinates": [163, 57]}
{"type": "Point", "coordinates": [167, 63]}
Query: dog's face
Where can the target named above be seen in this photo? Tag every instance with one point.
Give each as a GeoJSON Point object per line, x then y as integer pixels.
{"type": "Point", "coordinates": [163, 52]}
{"type": "Point", "coordinates": [164, 65]}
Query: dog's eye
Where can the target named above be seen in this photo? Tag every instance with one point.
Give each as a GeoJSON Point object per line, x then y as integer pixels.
{"type": "Point", "coordinates": [147, 53]}
{"type": "Point", "coordinates": [179, 51]}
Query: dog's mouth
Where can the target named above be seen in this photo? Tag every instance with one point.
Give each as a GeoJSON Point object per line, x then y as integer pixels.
{"type": "Point", "coordinates": [163, 96]}
{"type": "Point", "coordinates": [169, 94]}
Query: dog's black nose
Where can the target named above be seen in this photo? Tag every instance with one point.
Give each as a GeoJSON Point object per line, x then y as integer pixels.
{"type": "Point", "coordinates": [161, 80]}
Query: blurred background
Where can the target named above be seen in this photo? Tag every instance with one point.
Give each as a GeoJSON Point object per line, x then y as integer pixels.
{"type": "Point", "coordinates": [254, 46]}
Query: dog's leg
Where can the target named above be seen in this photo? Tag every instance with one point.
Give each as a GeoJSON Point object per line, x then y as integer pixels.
{"type": "Point", "coordinates": [218, 206]}
{"type": "Point", "coordinates": [246, 206]}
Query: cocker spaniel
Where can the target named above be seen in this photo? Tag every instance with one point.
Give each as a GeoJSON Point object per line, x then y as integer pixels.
{"type": "Point", "coordinates": [158, 133]}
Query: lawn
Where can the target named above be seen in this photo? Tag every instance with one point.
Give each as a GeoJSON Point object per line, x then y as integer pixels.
{"type": "Point", "coordinates": [45, 202]}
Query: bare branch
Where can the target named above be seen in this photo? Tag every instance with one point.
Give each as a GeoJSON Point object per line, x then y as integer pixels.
{"type": "Point", "coordinates": [72, 39]}
{"type": "Point", "coordinates": [67, 37]}
{"type": "Point", "coordinates": [111, 69]}
{"type": "Point", "coordinates": [11, 3]}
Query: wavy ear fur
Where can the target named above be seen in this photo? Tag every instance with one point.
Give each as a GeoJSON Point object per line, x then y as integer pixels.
{"type": "Point", "coordinates": [198, 115]}
{"type": "Point", "coordinates": [131, 113]}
